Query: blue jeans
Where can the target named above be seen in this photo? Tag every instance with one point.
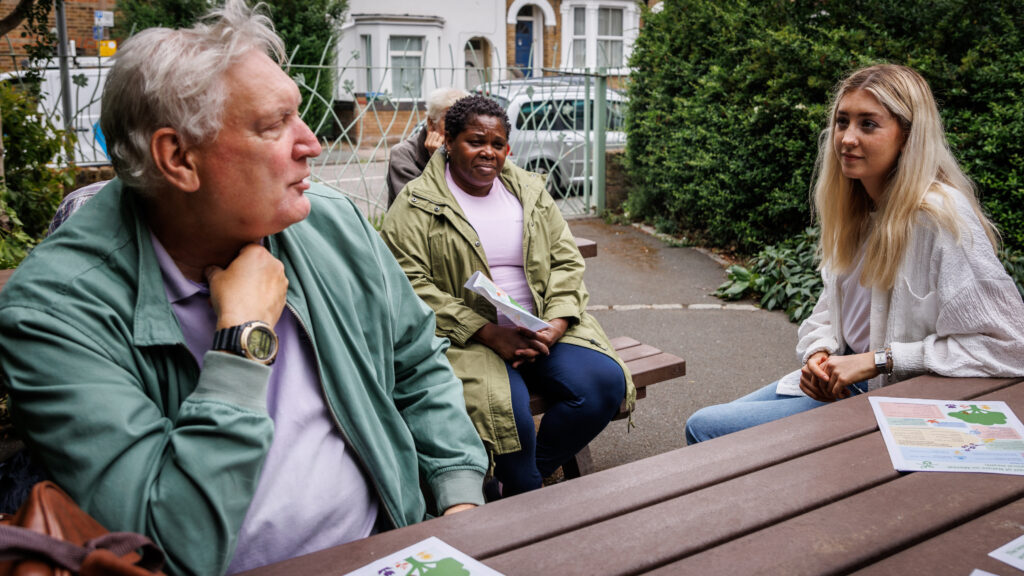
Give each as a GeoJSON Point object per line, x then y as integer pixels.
{"type": "Point", "coordinates": [758, 407]}
{"type": "Point", "coordinates": [586, 388]}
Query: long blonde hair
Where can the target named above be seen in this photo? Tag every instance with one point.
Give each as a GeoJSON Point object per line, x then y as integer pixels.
{"type": "Point", "coordinates": [842, 205]}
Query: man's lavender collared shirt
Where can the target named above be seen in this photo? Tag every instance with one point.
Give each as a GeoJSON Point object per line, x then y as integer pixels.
{"type": "Point", "coordinates": [311, 493]}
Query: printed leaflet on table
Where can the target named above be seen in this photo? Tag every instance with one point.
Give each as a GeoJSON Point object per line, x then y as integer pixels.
{"type": "Point", "coordinates": [1012, 553]}
{"type": "Point", "coordinates": [950, 436]}
{"type": "Point", "coordinates": [430, 557]}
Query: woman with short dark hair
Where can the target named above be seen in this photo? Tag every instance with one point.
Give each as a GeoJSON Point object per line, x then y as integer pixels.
{"type": "Point", "coordinates": [473, 211]}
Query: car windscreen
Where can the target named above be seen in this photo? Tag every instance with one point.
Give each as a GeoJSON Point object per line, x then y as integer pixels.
{"type": "Point", "coordinates": [565, 115]}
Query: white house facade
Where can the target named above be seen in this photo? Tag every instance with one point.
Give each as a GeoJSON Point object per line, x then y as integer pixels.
{"type": "Point", "coordinates": [406, 48]}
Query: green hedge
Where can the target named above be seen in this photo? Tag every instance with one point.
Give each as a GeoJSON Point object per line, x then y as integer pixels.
{"type": "Point", "coordinates": [728, 98]}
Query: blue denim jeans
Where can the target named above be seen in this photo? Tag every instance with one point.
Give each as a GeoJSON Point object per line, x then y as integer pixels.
{"type": "Point", "coordinates": [586, 388]}
{"type": "Point", "coordinates": [758, 407]}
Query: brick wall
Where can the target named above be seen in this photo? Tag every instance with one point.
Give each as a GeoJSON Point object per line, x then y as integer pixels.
{"type": "Point", "coordinates": [379, 120]}
{"type": "Point", "coordinates": [79, 15]}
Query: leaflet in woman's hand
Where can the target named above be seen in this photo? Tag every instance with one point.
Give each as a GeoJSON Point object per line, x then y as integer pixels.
{"type": "Point", "coordinates": [483, 286]}
{"type": "Point", "coordinates": [789, 385]}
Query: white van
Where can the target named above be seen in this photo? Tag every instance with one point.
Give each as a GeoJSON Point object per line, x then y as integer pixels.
{"type": "Point", "coordinates": [548, 122]}
{"type": "Point", "coordinates": [87, 76]}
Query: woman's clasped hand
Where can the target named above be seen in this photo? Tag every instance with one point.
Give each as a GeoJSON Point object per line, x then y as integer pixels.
{"type": "Point", "coordinates": [516, 344]}
{"type": "Point", "coordinates": [827, 378]}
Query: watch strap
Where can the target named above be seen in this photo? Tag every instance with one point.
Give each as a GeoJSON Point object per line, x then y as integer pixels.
{"type": "Point", "coordinates": [228, 339]}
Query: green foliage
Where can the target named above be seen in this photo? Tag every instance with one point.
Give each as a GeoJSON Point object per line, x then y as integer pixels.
{"type": "Point", "coordinates": [1014, 264]}
{"type": "Point", "coordinates": [33, 185]}
{"type": "Point", "coordinates": [784, 277]}
{"type": "Point", "coordinates": [307, 27]}
{"type": "Point", "coordinates": [14, 242]}
{"type": "Point", "coordinates": [728, 97]}
{"type": "Point", "coordinates": [136, 15]}
{"type": "Point", "coordinates": [37, 25]}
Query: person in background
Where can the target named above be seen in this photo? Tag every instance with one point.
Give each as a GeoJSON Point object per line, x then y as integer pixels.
{"type": "Point", "coordinates": [473, 211]}
{"type": "Point", "coordinates": [912, 281]}
{"type": "Point", "coordinates": [72, 202]}
{"type": "Point", "coordinates": [215, 351]}
{"type": "Point", "coordinates": [409, 157]}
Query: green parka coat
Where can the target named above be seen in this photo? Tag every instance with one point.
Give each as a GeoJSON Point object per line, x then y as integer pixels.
{"type": "Point", "coordinates": [439, 250]}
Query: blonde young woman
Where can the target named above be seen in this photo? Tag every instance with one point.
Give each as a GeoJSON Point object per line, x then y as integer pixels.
{"type": "Point", "coordinates": [912, 281]}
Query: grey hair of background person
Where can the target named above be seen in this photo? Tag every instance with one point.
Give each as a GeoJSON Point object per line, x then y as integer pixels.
{"type": "Point", "coordinates": [440, 100]}
{"type": "Point", "coordinates": [175, 78]}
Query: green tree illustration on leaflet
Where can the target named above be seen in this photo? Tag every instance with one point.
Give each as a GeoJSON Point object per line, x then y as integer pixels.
{"type": "Point", "coordinates": [443, 567]}
{"type": "Point", "coordinates": [976, 415]}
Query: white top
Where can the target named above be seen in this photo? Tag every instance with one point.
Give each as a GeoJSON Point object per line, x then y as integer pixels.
{"type": "Point", "coordinates": [856, 317]}
{"type": "Point", "coordinates": [953, 310]}
{"type": "Point", "coordinates": [498, 221]}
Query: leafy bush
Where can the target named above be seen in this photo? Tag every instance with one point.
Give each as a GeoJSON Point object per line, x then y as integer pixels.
{"type": "Point", "coordinates": [33, 185]}
{"type": "Point", "coordinates": [728, 97]}
{"type": "Point", "coordinates": [785, 277]}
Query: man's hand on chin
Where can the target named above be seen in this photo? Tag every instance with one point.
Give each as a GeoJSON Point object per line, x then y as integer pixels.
{"type": "Point", "coordinates": [252, 287]}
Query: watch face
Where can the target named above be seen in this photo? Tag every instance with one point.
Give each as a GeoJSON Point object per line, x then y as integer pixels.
{"type": "Point", "coordinates": [261, 343]}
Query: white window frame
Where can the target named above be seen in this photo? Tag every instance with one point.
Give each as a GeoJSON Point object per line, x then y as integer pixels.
{"type": "Point", "coordinates": [630, 30]}
{"type": "Point", "coordinates": [620, 37]}
{"type": "Point", "coordinates": [400, 52]}
{"type": "Point", "coordinates": [366, 49]}
{"type": "Point", "coordinates": [577, 60]}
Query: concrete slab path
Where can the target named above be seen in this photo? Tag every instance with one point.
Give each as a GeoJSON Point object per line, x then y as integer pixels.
{"type": "Point", "coordinates": [662, 295]}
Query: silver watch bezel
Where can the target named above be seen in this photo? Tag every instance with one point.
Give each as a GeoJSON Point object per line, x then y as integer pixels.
{"type": "Point", "coordinates": [243, 341]}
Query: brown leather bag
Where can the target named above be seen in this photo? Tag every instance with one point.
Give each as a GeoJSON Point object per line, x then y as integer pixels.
{"type": "Point", "coordinates": [51, 535]}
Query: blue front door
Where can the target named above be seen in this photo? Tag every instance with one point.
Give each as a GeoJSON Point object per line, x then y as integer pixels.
{"type": "Point", "coordinates": [524, 47]}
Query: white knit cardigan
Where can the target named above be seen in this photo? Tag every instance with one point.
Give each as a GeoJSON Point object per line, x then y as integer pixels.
{"type": "Point", "coordinates": [953, 310]}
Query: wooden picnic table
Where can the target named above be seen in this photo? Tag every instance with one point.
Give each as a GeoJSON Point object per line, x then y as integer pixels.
{"type": "Point", "coordinates": [815, 493]}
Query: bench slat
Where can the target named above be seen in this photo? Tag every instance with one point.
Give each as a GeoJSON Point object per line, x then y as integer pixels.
{"type": "Point", "coordinates": [635, 353]}
{"type": "Point", "coordinates": [588, 248]}
{"type": "Point", "coordinates": [623, 342]}
{"type": "Point", "coordinates": [5, 275]}
{"type": "Point", "coordinates": [657, 368]}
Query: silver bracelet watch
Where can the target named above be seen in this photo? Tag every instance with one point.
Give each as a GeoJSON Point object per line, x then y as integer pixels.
{"type": "Point", "coordinates": [883, 361]}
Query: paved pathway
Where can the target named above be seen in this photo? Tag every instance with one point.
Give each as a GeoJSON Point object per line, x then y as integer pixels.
{"type": "Point", "coordinates": [662, 295]}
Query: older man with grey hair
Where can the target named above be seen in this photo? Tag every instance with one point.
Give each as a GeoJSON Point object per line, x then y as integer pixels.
{"type": "Point", "coordinates": [139, 340]}
{"type": "Point", "coordinates": [409, 157]}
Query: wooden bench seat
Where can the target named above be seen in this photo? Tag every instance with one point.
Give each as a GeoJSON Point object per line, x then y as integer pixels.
{"type": "Point", "coordinates": [646, 364]}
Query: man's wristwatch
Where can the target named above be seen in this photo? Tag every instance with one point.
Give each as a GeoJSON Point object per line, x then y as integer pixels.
{"type": "Point", "coordinates": [883, 361]}
{"type": "Point", "coordinates": [253, 340]}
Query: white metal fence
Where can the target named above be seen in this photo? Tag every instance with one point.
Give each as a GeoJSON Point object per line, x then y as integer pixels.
{"type": "Point", "coordinates": [561, 125]}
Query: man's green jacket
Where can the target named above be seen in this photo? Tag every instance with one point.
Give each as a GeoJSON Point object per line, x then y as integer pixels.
{"type": "Point", "coordinates": [114, 406]}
